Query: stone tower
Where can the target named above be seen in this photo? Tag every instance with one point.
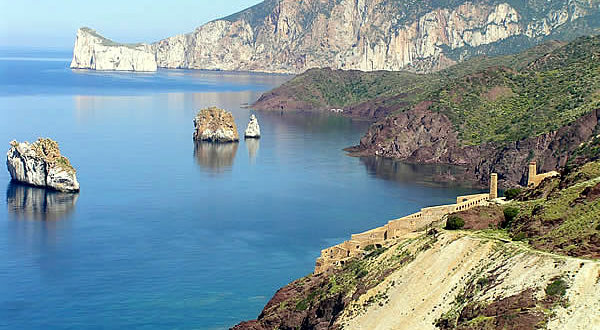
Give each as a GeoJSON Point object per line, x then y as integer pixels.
{"type": "Point", "coordinates": [532, 174]}
{"type": "Point", "coordinates": [494, 186]}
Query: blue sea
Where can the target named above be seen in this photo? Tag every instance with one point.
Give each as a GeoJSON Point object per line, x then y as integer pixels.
{"type": "Point", "coordinates": [167, 233]}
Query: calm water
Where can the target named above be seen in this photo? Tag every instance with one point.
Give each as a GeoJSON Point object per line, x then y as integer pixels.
{"type": "Point", "coordinates": [167, 233]}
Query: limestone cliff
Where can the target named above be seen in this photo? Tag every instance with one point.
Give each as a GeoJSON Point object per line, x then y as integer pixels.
{"type": "Point", "coordinates": [292, 36]}
{"type": "Point", "coordinates": [93, 51]}
{"type": "Point", "coordinates": [41, 164]}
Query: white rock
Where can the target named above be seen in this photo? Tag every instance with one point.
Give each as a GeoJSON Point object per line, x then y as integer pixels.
{"type": "Point", "coordinates": [40, 164]}
{"type": "Point", "coordinates": [92, 51]}
{"type": "Point", "coordinates": [253, 129]}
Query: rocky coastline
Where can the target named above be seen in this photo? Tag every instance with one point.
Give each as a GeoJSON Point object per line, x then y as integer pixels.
{"type": "Point", "coordinates": [495, 273]}
{"type": "Point", "coordinates": [289, 36]}
{"type": "Point", "coordinates": [422, 136]}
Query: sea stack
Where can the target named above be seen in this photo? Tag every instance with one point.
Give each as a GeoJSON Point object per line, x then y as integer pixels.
{"type": "Point", "coordinates": [41, 164]}
{"type": "Point", "coordinates": [253, 129]}
{"type": "Point", "coordinates": [215, 125]}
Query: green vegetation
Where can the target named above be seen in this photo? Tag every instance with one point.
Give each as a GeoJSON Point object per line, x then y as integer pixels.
{"type": "Point", "coordinates": [557, 288]}
{"type": "Point", "coordinates": [510, 213]}
{"type": "Point", "coordinates": [563, 215]}
{"type": "Point", "coordinates": [498, 99]}
{"type": "Point", "coordinates": [454, 222]}
{"type": "Point", "coordinates": [519, 237]}
{"type": "Point", "coordinates": [512, 193]}
{"type": "Point", "coordinates": [107, 42]}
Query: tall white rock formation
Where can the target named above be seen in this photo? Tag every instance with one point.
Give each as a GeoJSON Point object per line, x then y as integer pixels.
{"type": "Point", "coordinates": [92, 51]}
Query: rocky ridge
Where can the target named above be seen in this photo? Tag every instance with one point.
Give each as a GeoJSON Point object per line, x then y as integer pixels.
{"type": "Point", "coordinates": [290, 36]}
{"type": "Point", "coordinates": [41, 164]}
{"type": "Point", "coordinates": [215, 125]}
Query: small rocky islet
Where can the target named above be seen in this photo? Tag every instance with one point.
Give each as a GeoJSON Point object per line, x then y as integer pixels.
{"type": "Point", "coordinates": [217, 125]}
{"type": "Point", "coordinates": [41, 164]}
{"type": "Point", "coordinates": [253, 129]}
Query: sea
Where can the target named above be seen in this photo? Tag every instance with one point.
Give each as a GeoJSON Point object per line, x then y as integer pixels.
{"type": "Point", "coordinates": [167, 233]}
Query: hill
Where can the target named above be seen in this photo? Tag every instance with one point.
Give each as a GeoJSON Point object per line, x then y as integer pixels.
{"type": "Point", "coordinates": [537, 269]}
{"type": "Point", "coordinates": [488, 114]}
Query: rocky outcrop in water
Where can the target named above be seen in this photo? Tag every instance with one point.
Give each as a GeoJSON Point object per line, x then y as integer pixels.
{"type": "Point", "coordinates": [93, 51]}
{"type": "Point", "coordinates": [292, 36]}
{"type": "Point", "coordinates": [41, 164]}
{"type": "Point", "coordinates": [253, 129]}
{"type": "Point", "coordinates": [215, 125]}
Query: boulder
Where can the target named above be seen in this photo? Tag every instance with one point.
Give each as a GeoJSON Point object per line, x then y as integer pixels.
{"type": "Point", "coordinates": [41, 164]}
{"type": "Point", "coordinates": [215, 125]}
{"type": "Point", "coordinates": [253, 129]}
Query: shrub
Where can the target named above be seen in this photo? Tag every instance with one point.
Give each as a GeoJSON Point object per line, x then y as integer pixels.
{"type": "Point", "coordinates": [370, 247]}
{"type": "Point", "coordinates": [510, 213]}
{"type": "Point", "coordinates": [558, 288]}
{"type": "Point", "coordinates": [454, 222]}
{"type": "Point", "coordinates": [512, 193]}
{"type": "Point", "coordinates": [519, 237]}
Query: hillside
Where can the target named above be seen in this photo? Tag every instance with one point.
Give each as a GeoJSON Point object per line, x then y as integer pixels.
{"type": "Point", "coordinates": [290, 36]}
{"type": "Point", "coordinates": [373, 95]}
{"type": "Point", "coordinates": [493, 277]}
{"type": "Point", "coordinates": [488, 114]}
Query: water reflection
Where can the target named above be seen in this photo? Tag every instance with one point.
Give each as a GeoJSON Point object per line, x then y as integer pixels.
{"type": "Point", "coordinates": [30, 203]}
{"type": "Point", "coordinates": [252, 145]}
{"type": "Point", "coordinates": [215, 157]}
{"type": "Point", "coordinates": [430, 175]}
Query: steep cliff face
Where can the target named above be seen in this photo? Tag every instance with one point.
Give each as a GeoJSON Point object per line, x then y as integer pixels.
{"type": "Point", "coordinates": [422, 136]}
{"type": "Point", "coordinates": [293, 36]}
{"type": "Point", "coordinates": [92, 51]}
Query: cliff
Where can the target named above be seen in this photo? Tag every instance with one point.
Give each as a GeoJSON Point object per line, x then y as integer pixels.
{"type": "Point", "coordinates": [496, 273]}
{"type": "Point", "coordinates": [93, 51]}
{"type": "Point", "coordinates": [292, 36]}
{"type": "Point", "coordinates": [41, 164]}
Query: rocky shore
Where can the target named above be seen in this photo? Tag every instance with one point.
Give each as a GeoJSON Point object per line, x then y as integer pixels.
{"type": "Point", "coordinates": [422, 136]}
{"type": "Point", "coordinates": [41, 164]}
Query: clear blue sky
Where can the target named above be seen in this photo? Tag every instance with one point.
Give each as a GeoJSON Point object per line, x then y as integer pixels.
{"type": "Point", "coordinates": [53, 23]}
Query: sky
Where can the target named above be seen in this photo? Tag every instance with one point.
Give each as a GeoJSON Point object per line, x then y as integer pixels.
{"type": "Point", "coordinates": [52, 24]}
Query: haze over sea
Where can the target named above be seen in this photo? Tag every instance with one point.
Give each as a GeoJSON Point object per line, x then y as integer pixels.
{"type": "Point", "coordinates": [167, 233]}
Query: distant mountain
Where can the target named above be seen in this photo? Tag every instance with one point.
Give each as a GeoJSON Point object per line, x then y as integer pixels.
{"type": "Point", "coordinates": [422, 36]}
